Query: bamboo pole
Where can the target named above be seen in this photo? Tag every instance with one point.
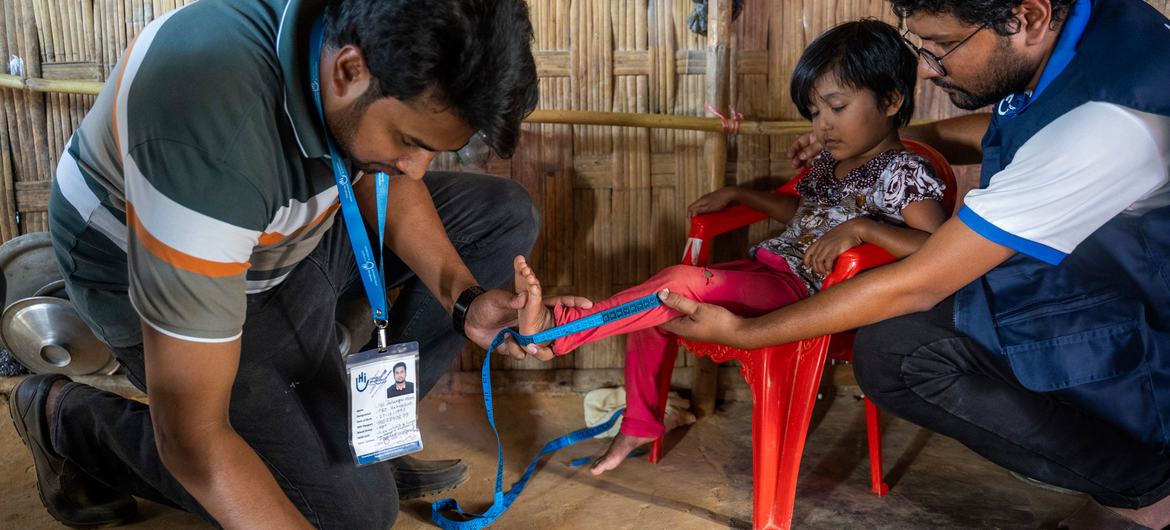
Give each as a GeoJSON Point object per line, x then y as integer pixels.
{"type": "Point", "coordinates": [8, 154]}
{"type": "Point", "coordinates": [565, 117]}
{"type": "Point", "coordinates": [665, 121]}
{"type": "Point", "coordinates": [37, 104]}
{"type": "Point", "coordinates": [62, 86]}
{"type": "Point", "coordinates": [715, 152]}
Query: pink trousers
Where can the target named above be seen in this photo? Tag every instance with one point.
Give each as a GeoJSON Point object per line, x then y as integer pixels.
{"type": "Point", "coordinates": [745, 287]}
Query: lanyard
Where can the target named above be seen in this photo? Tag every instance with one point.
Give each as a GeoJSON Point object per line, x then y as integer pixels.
{"type": "Point", "coordinates": [503, 500]}
{"type": "Point", "coordinates": [369, 270]}
{"type": "Point", "coordinates": [1062, 54]}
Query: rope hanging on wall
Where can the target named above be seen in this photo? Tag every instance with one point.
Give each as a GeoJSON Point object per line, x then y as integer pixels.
{"type": "Point", "coordinates": [697, 20]}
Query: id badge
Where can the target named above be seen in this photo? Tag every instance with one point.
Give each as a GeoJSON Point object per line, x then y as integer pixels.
{"type": "Point", "coordinates": [383, 403]}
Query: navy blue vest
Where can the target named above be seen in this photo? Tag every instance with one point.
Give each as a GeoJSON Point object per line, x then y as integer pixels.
{"type": "Point", "coordinates": [1101, 318]}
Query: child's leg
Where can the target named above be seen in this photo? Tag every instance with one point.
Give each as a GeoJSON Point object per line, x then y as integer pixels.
{"type": "Point", "coordinates": [647, 352]}
{"type": "Point", "coordinates": [745, 287]}
{"type": "Point", "coordinates": [646, 355]}
{"type": "Point", "coordinates": [755, 288]}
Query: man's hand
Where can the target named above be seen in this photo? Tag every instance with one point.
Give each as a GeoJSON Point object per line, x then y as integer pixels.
{"type": "Point", "coordinates": [805, 148]}
{"type": "Point", "coordinates": [497, 309]}
{"type": "Point", "coordinates": [701, 322]}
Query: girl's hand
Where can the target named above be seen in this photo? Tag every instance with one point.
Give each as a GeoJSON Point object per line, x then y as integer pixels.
{"type": "Point", "coordinates": [805, 148]}
{"type": "Point", "coordinates": [822, 255]}
{"type": "Point", "coordinates": [702, 322]}
{"type": "Point", "coordinates": [713, 202]}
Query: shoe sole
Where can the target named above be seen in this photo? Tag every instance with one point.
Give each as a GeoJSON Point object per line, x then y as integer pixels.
{"type": "Point", "coordinates": [22, 432]}
{"type": "Point", "coordinates": [420, 494]}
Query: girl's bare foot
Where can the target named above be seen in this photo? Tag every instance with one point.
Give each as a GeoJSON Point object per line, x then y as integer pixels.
{"type": "Point", "coordinates": [534, 317]}
{"type": "Point", "coordinates": [619, 449]}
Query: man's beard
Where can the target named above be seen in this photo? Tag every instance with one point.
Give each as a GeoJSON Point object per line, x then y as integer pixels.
{"type": "Point", "coordinates": [1009, 73]}
{"type": "Point", "coordinates": [343, 125]}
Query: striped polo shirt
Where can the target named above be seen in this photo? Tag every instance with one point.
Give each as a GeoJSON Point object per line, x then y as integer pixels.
{"type": "Point", "coordinates": [201, 167]}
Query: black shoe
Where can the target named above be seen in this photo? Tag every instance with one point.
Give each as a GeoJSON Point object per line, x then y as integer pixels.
{"type": "Point", "coordinates": [420, 478]}
{"type": "Point", "coordinates": [71, 497]}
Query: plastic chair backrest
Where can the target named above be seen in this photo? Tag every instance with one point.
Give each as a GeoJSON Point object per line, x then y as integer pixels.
{"type": "Point", "coordinates": [942, 169]}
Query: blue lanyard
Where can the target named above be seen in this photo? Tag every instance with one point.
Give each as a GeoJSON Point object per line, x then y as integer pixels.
{"type": "Point", "coordinates": [1062, 54]}
{"type": "Point", "coordinates": [369, 270]}
{"type": "Point", "coordinates": [503, 500]}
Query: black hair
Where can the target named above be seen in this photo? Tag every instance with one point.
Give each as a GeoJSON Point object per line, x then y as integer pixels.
{"type": "Point", "coordinates": [865, 54]}
{"type": "Point", "coordinates": [395, 369]}
{"type": "Point", "coordinates": [998, 15]}
{"type": "Point", "coordinates": [474, 56]}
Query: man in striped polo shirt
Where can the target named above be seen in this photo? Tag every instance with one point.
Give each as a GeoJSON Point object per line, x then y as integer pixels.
{"type": "Point", "coordinates": [194, 218]}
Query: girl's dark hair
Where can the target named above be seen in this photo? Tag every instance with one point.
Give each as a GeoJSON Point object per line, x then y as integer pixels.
{"type": "Point", "coordinates": [473, 55]}
{"type": "Point", "coordinates": [865, 54]}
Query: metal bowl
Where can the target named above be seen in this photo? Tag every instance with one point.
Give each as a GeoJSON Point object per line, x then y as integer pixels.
{"type": "Point", "coordinates": [29, 264]}
{"type": "Point", "coordinates": [46, 335]}
{"type": "Point", "coordinates": [55, 289]}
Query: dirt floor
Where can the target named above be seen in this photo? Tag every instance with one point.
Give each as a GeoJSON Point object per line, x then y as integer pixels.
{"type": "Point", "coordinates": [703, 482]}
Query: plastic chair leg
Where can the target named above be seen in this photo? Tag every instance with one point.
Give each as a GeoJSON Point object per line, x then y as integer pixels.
{"type": "Point", "coordinates": [873, 429]}
{"type": "Point", "coordinates": [785, 391]}
{"type": "Point", "coordinates": [664, 373]}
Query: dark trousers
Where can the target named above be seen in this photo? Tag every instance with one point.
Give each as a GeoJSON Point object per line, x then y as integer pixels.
{"type": "Point", "coordinates": [921, 369]}
{"type": "Point", "coordinates": [289, 399]}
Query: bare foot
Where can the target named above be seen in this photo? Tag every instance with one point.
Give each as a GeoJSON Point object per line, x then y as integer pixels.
{"type": "Point", "coordinates": [534, 317]}
{"type": "Point", "coordinates": [619, 449]}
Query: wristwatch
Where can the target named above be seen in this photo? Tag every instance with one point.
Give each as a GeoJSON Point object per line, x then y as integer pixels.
{"type": "Point", "coordinates": [462, 304]}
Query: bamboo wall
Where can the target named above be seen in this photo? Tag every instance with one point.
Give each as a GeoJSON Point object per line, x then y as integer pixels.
{"type": "Point", "coordinates": [613, 199]}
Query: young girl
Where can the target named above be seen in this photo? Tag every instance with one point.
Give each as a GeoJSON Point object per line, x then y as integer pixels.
{"type": "Point", "coordinates": [856, 84]}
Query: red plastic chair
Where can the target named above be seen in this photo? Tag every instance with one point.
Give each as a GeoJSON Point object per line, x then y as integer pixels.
{"type": "Point", "coordinates": [784, 378]}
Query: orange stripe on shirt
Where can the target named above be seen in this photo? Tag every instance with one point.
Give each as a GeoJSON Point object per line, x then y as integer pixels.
{"type": "Point", "coordinates": [272, 238]}
{"type": "Point", "coordinates": [178, 258]}
{"type": "Point", "coordinates": [118, 88]}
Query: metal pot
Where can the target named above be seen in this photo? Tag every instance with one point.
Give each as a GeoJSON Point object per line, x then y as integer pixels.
{"type": "Point", "coordinates": [29, 264]}
{"type": "Point", "coordinates": [46, 335]}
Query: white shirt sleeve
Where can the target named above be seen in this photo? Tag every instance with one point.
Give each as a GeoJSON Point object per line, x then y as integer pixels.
{"type": "Point", "coordinates": [1074, 175]}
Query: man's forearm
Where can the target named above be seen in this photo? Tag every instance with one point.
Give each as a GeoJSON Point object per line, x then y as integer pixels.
{"type": "Point", "coordinates": [229, 480]}
{"type": "Point", "coordinates": [190, 394]}
{"type": "Point", "coordinates": [950, 259]}
{"type": "Point", "coordinates": [847, 306]}
{"type": "Point", "coordinates": [959, 139]}
{"type": "Point", "coordinates": [415, 233]}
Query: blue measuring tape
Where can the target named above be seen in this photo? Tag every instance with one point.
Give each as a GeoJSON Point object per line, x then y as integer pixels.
{"type": "Point", "coordinates": [371, 272]}
{"type": "Point", "coordinates": [502, 500]}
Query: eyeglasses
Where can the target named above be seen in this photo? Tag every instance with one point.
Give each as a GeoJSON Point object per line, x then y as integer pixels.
{"type": "Point", "coordinates": [932, 60]}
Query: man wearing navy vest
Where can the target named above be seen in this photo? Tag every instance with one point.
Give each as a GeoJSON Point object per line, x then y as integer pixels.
{"type": "Point", "coordinates": [1034, 326]}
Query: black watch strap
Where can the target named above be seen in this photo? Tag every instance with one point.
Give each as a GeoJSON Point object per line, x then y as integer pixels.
{"type": "Point", "coordinates": [462, 304]}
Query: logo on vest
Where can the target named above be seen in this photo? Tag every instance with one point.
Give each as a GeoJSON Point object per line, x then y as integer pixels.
{"type": "Point", "coordinates": [1012, 105]}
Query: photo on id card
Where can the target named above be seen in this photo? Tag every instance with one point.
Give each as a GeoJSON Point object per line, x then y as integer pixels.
{"type": "Point", "coordinates": [383, 403]}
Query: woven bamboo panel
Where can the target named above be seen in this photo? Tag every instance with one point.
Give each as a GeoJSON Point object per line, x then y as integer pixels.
{"type": "Point", "coordinates": [612, 199]}
{"type": "Point", "coordinates": [78, 40]}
